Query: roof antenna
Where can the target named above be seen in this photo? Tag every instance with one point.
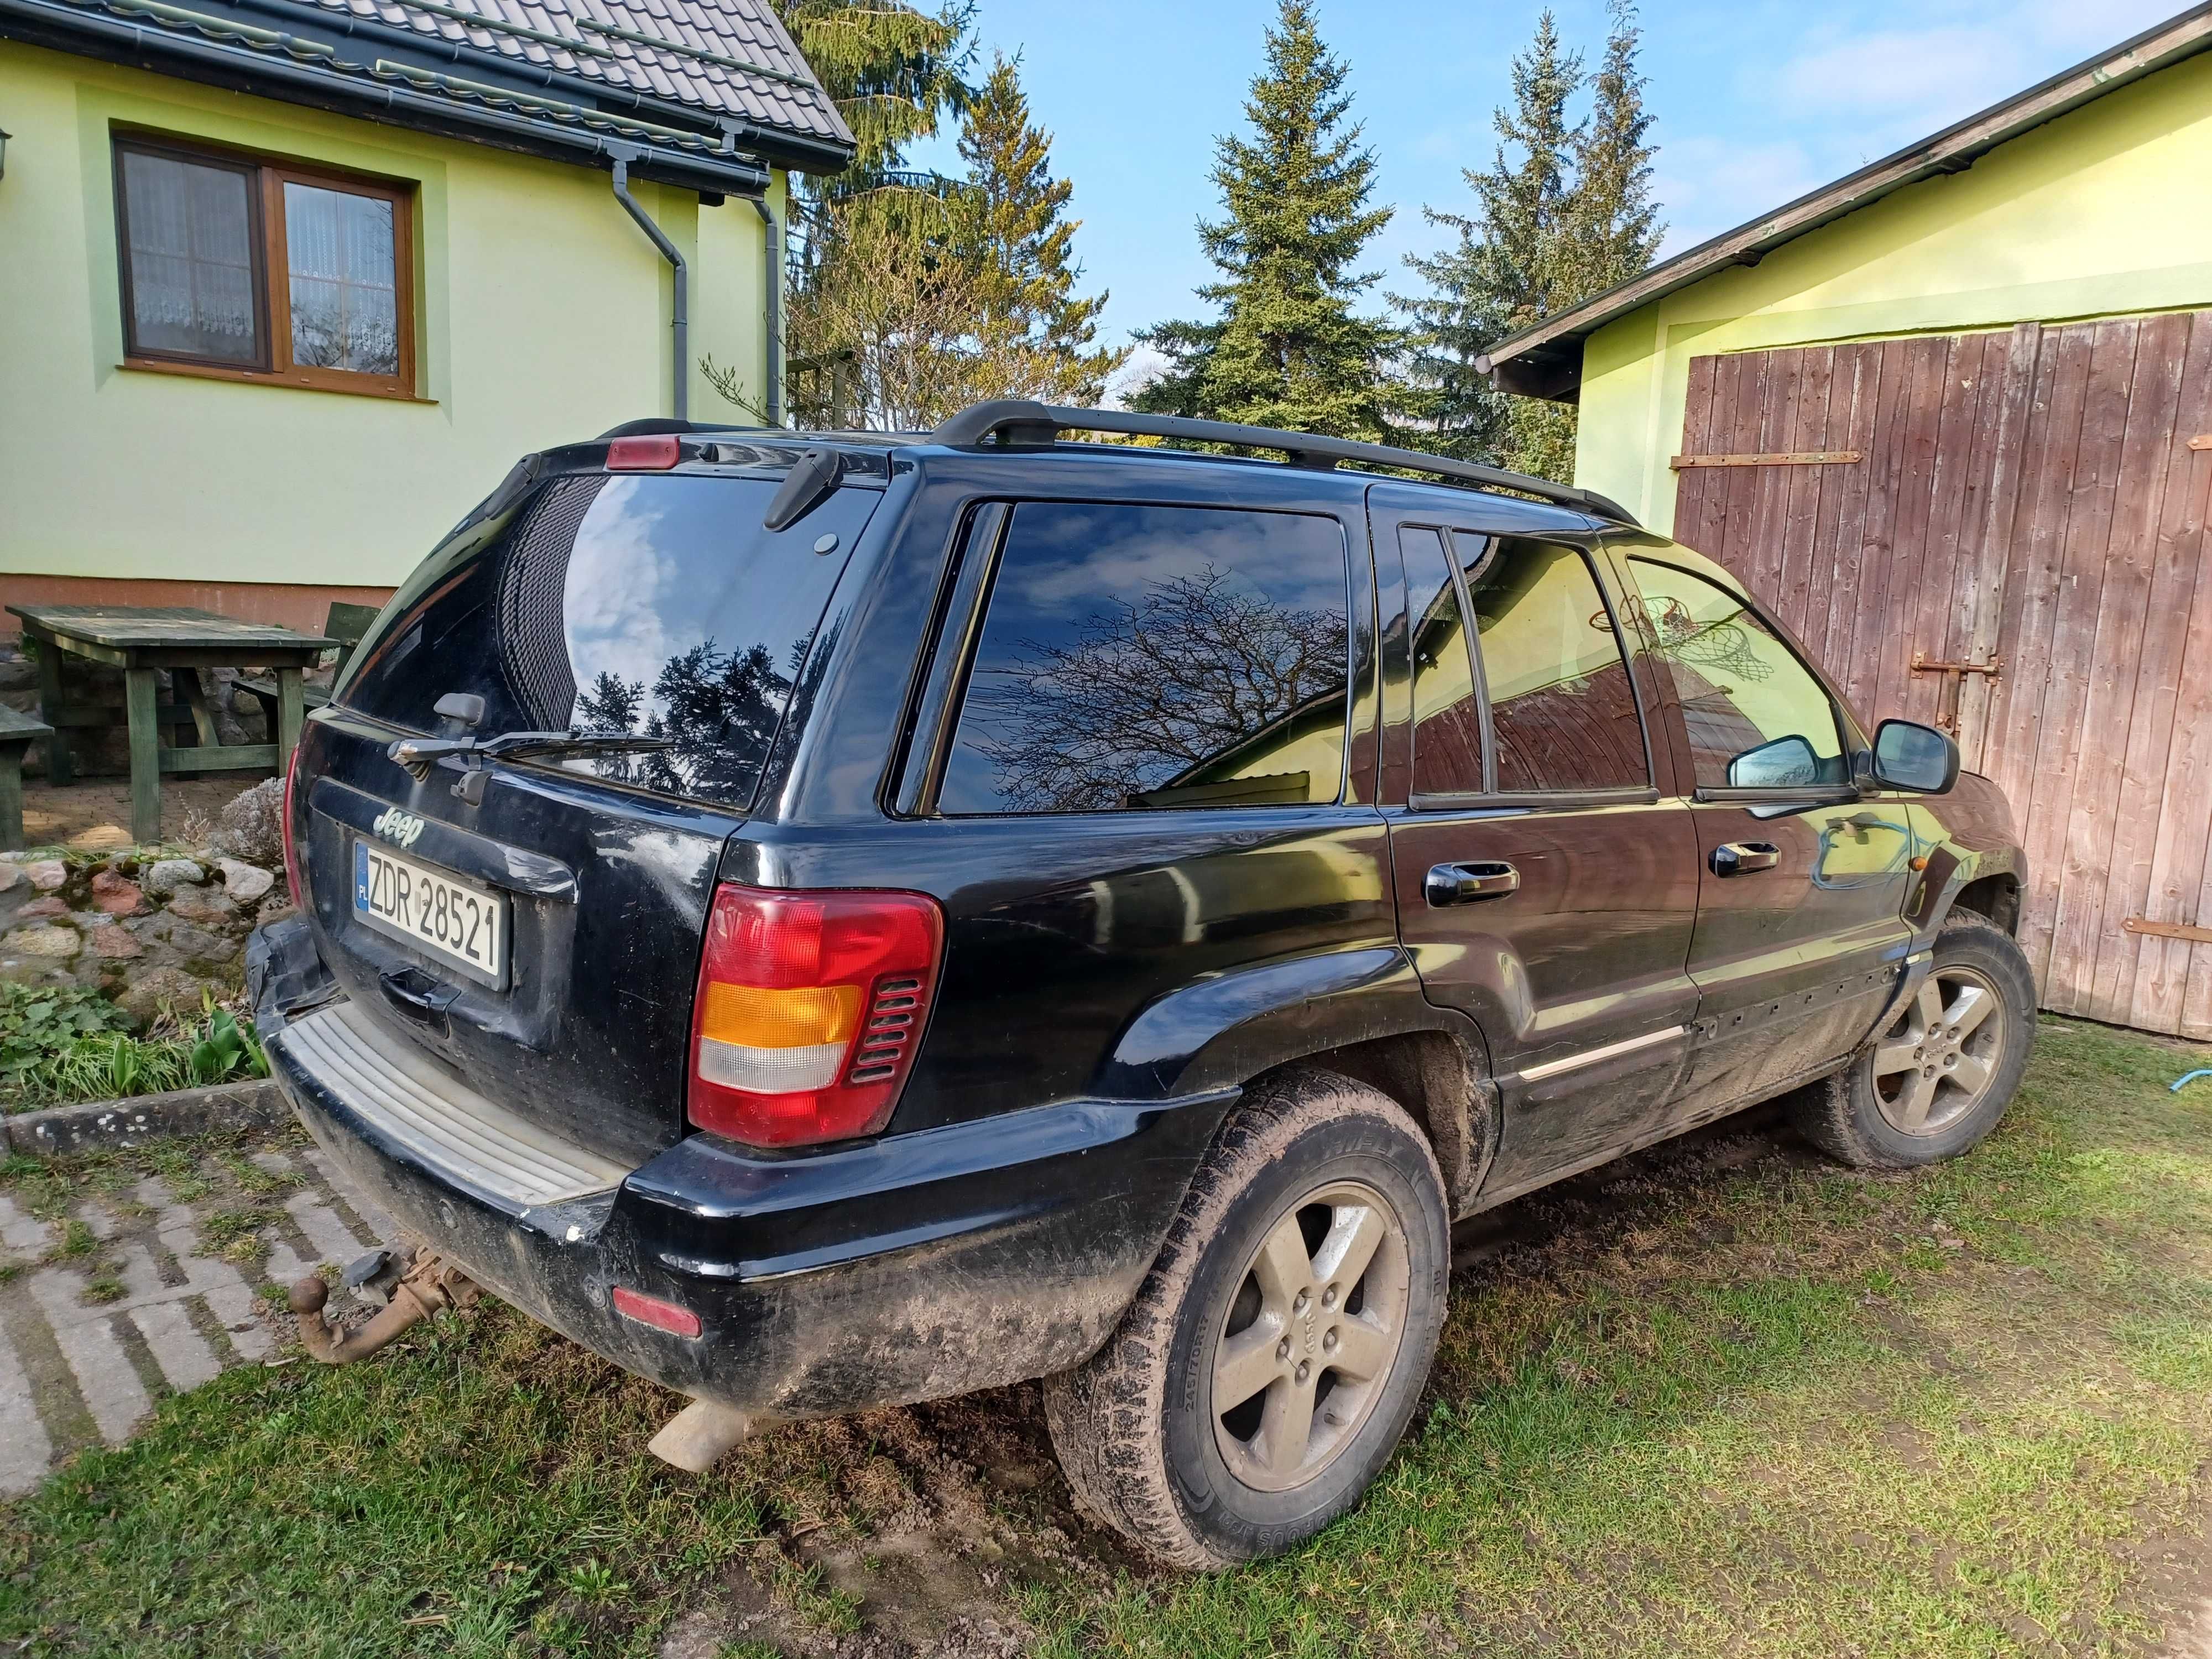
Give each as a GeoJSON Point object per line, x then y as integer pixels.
{"type": "Point", "coordinates": [810, 484]}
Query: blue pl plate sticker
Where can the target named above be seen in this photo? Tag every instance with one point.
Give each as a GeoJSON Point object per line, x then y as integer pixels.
{"type": "Point", "coordinates": [359, 876]}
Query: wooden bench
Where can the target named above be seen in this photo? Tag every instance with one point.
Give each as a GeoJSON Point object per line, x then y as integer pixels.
{"type": "Point", "coordinates": [346, 624]}
{"type": "Point", "coordinates": [17, 733]}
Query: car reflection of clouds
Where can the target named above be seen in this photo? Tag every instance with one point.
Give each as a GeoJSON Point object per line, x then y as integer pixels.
{"type": "Point", "coordinates": [1078, 557]}
{"type": "Point", "coordinates": [618, 597]}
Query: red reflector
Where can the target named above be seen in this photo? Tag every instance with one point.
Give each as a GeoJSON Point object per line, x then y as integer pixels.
{"type": "Point", "coordinates": [652, 1311]}
{"type": "Point", "coordinates": [809, 1008]}
{"type": "Point", "coordinates": [654, 453]}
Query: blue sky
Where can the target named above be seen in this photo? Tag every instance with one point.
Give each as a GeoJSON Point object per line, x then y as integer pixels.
{"type": "Point", "coordinates": [1756, 100]}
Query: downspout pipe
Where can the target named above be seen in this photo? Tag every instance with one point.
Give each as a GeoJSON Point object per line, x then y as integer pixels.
{"type": "Point", "coordinates": [772, 242]}
{"type": "Point", "coordinates": [668, 251]}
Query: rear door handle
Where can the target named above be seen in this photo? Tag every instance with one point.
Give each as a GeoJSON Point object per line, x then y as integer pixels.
{"type": "Point", "coordinates": [1739, 858]}
{"type": "Point", "coordinates": [1464, 884]}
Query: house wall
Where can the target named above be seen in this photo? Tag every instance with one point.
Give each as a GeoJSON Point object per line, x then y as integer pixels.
{"type": "Point", "coordinates": [2096, 213]}
{"type": "Point", "coordinates": [541, 317]}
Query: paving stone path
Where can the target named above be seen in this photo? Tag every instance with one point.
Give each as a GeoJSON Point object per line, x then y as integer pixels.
{"type": "Point", "coordinates": [122, 1287]}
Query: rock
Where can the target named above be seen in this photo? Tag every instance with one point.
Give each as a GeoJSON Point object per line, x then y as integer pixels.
{"type": "Point", "coordinates": [113, 941]}
{"type": "Point", "coordinates": [244, 882]}
{"type": "Point", "coordinates": [252, 826]}
{"type": "Point", "coordinates": [59, 943]}
{"type": "Point", "coordinates": [116, 894]}
{"type": "Point", "coordinates": [44, 910]}
{"type": "Point", "coordinates": [10, 873]}
{"type": "Point", "coordinates": [167, 875]}
{"type": "Point", "coordinates": [46, 874]}
{"type": "Point", "coordinates": [165, 988]}
{"type": "Point", "coordinates": [210, 909]}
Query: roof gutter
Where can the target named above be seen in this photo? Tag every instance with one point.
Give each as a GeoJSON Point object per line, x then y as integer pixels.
{"type": "Point", "coordinates": [669, 251]}
{"type": "Point", "coordinates": [325, 82]}
{"type": "Point", "coordinates": [1545, 360]}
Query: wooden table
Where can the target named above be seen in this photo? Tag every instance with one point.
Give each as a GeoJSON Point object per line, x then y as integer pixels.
{"type": "Point", "coordinates": [140, 639]}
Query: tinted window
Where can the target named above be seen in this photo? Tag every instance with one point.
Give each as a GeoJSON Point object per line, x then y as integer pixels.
{"type": "Point", "coordinates": [1139, 657]}
{"type": "Point", "coordinates": [1757, 717]}
{"type": "Point", "coordinates": [1447, 718]}
{"type": "Point", "coordinates": [652, 605]}
{"type": "Point", "coordinates": [1562, 712]}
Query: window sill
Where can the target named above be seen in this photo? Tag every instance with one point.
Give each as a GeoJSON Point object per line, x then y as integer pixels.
{"type": "Point", "coordinates": [263, 377]}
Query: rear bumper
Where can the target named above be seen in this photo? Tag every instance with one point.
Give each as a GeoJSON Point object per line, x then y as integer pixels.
{"type": "Point", "coordinates": [908, 1268]}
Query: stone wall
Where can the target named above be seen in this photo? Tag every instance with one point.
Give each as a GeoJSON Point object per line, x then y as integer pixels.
{"type": "Point", "coordinates": [150, 927]}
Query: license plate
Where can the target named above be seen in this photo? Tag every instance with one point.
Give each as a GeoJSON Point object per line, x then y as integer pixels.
{"type": "Point", "coordinates": [454, 921]}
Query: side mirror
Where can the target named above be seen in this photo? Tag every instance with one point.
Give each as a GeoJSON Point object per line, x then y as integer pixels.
{"type": "Point", "coordinates": [1785, 764]}
{"type": "Point", "coordinates": [1910, 756]}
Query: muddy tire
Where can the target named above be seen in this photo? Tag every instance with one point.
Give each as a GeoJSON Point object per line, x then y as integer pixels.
{"type": "Point", "coordinates": [1940, 1077]}
{"type": "Point", "coordinates": [1275, 1353]}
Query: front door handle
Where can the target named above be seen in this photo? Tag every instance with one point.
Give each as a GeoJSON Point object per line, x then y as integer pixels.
{"type": "Point", "coordinates": [1464, 884]}
{"type": "Point", "coordinates": [1739, 858]}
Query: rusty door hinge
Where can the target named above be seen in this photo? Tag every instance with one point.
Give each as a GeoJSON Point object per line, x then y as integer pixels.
{"type": "Point", "coordinates": [1954, 676]}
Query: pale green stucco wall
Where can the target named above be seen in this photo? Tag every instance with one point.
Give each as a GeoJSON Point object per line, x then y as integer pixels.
{"type": "Point", "coordinates": [542, 317]}
{"type": "Point", "coordinates": [2102, 212]}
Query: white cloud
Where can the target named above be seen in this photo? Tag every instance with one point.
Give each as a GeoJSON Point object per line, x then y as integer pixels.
{"type": "Point", "coordinates": [1147, 364]}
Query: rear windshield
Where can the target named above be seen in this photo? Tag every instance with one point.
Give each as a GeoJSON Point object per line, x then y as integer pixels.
{"type": "Point", "coordinates": [652, 605]}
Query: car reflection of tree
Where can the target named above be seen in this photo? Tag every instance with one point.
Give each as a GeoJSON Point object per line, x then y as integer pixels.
{"type": "Point", "coordinates": [1203, 692]}
{"type": "Point", "coordinates": [718, 710]}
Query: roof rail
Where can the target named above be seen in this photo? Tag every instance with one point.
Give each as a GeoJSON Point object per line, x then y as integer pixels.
{"type": "Point", "coordinates": [1018, 420]}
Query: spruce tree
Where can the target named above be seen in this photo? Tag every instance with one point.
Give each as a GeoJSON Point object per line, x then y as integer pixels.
{"type": "Point", "coordinates": [1287, 350]}
{"type": "Point", "coordinates": [892, 69]}
{"type": "Point", "coordinates": [1030, 319]}
{"type": "Point", "coordinates": [1562, 212]}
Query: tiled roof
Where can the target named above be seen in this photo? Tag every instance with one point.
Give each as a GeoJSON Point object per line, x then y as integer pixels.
{"type": "Point", "coordinates": [739, 62]}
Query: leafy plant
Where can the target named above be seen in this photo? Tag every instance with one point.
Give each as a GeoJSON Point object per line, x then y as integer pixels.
{"type": "Point", "coordinates": [62, 1044]}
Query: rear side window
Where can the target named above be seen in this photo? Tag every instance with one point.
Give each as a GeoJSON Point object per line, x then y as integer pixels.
{"type": "Point", "coordinates": [654, 604]}
{"type": "Point", "coordinates": [1562, 712]}
{"type": "Point", "coordinates": [1136, 658]}
{"type": "Point", "coordinates": [1447, 714]}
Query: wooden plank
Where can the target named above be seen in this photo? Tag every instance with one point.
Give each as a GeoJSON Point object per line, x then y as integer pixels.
{"type": "Point", "coordinates": [145, 757]}
{"type": "Point", "coordinates": [60, 763]}
{"type": "Point", "coordinates": [2171, 977]}
{"type": "Point", "coordinates": [221, 757]}
{"type": "Point", "coordinates": [1697, 417]}
{"type": "Point", "coordinates": [1761, 561]}
{"type": "Point", "coordinates": [1738, 496]}
{"type": "Point", "coordinates": [2000, 518]}
{"type": "Point", "coordinates": [1924, 622]}
{"type": "Point", "coordinates": [1843, 508]}
{"type": "Point", "coordinates": [2142, 627]}
{"type": "Point", "coordinates": [2052, 857]}
{"type": "Point", "coordinates": [1890, 595]}
{"type": "Point", "coordinates": [1947, 604]}
{"type": "Point", "coordinates": [2169, 930]}
{"type": "Point", "coordinates": [127, 626]}
{"type": "Point", "coordinates": [289, 715]}
{"type": "Point", "coordinates": [1783, 457]}
{"type": "Point", "coordinates": [1851, 656]}
{"type": "Point", "coordinates": [2016, 743]}
{"type": "Point", "coordinates": [1793, 586]}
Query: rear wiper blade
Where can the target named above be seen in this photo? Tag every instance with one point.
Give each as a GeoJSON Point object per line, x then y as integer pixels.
{"type": "Point", "coordinates": [420, 755]}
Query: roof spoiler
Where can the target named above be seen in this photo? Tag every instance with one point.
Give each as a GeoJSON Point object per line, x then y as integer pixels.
{"type": "Point", "coordinates": [1017, 420]}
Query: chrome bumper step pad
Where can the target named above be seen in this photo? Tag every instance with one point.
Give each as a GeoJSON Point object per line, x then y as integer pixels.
{"type": "Point", "coordinates": [416, 1103]}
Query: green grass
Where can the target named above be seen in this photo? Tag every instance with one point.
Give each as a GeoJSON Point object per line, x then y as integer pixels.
{"type": "Point", "coordinates": [1773, 1410]}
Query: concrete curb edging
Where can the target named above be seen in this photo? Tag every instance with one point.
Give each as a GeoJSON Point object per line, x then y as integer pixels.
{"type": "Point", "coordinates": [257, 1104]}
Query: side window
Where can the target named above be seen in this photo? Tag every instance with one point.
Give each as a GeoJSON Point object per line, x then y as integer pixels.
{"type": "Point", "coordinates": [1447, 717]}
{"type": "Point", "coordinates": [1757, 716]}
{"type": "Point", "coordinates": [1562, 712]}
{"type": "Point", "coordinates": [1145, 657]}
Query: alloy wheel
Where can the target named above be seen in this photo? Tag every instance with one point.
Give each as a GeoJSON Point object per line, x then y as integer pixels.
{"type": "Point", "coordinates": [1311, 1336]}
{"type": "Point", "coordinates": [1938, 1061]}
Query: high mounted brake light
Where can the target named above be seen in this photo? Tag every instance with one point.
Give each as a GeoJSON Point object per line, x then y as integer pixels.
{"type": "Point", "coordinates": [654, 452]}
{"type": "Point", "coordinates": [809, 1007]}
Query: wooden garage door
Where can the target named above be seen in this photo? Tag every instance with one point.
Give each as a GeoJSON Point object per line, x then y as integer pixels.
{"type": "Point", "coordinates": [2030, 497]}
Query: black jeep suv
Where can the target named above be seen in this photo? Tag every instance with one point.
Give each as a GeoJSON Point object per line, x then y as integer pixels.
{"type": "Point", "coordinates": [834, 919]}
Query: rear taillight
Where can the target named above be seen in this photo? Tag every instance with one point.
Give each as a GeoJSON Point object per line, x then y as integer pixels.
{"type": "Point", "coordinates": [811, 1005]}
{"type": "Point", "coordinates": [291, 839]}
